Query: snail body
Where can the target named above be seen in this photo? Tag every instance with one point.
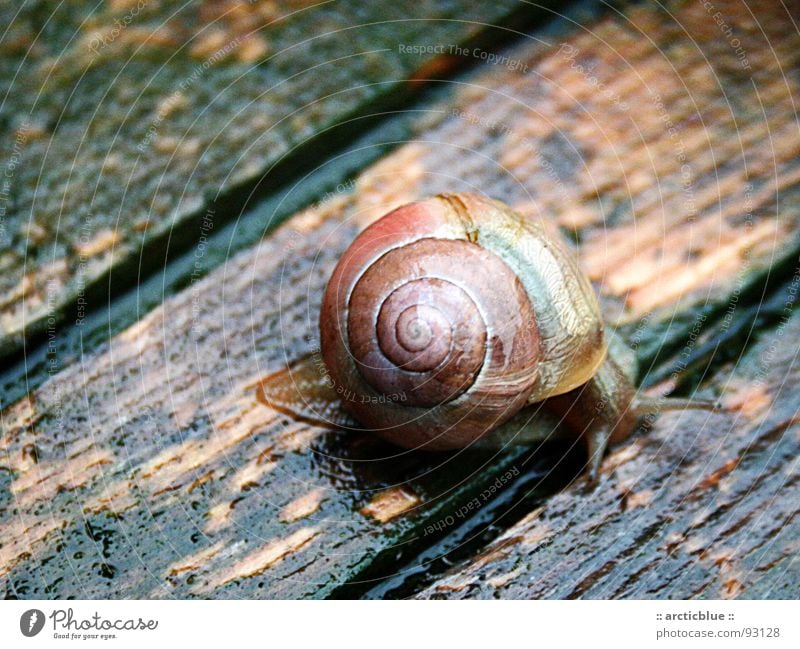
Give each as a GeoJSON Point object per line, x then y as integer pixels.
{"type": "Point", "coordinates": [449, 318]}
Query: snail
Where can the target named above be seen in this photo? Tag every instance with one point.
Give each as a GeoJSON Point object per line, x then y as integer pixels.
{"type": "Point", "coordinates": [453, 320]}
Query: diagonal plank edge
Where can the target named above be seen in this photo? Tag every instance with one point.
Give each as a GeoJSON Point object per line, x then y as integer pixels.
{"type": "Point", "coordinates": [118, 138]}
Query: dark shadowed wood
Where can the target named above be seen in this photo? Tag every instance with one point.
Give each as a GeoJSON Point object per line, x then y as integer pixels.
{"type": "Point", "coordinates": [150, 468]}
{"type": "Point", "coordinates": [704, 505]}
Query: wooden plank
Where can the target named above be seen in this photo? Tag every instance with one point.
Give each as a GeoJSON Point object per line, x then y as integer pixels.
{"type": "Point", "coordinates": [70, 343]}
{"type": "Point", "coordinates": [123, 125]}
{"type": "Point", "coordinates": [704, 505]}
{"type": "Point", "coordinates": [151, 469]}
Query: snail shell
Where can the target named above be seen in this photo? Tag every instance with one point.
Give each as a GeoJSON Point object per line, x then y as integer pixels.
{"type": "Point", "coordinates": [447, 316]}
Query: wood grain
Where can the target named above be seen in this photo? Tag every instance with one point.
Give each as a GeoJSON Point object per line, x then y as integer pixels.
{"type": "Point", "coordinates": [703, 506]}
{"type": "Point", "coordinates": [150, 469]}
{"type": "Point", "coordinates": [123, 125]}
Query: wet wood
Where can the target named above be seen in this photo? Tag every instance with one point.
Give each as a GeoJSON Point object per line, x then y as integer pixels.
{"type": "Point", "coordinates": [151, 468]}
{"type": "Point", "coordinates": [391, 503]}
{"type": "Point", "coordinates": [704, 505]}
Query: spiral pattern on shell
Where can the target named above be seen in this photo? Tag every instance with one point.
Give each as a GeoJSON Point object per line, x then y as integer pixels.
{"type": "Point", "coordinates": [422, 322]}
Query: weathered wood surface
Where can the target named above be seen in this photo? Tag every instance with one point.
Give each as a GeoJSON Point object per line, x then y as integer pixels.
{"type": "Point", "coordinates": [124, 122]}
{"type": "Point", "coordinates": [151, 468]}
{"type": "Point", "coordinates": [705, 505]}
